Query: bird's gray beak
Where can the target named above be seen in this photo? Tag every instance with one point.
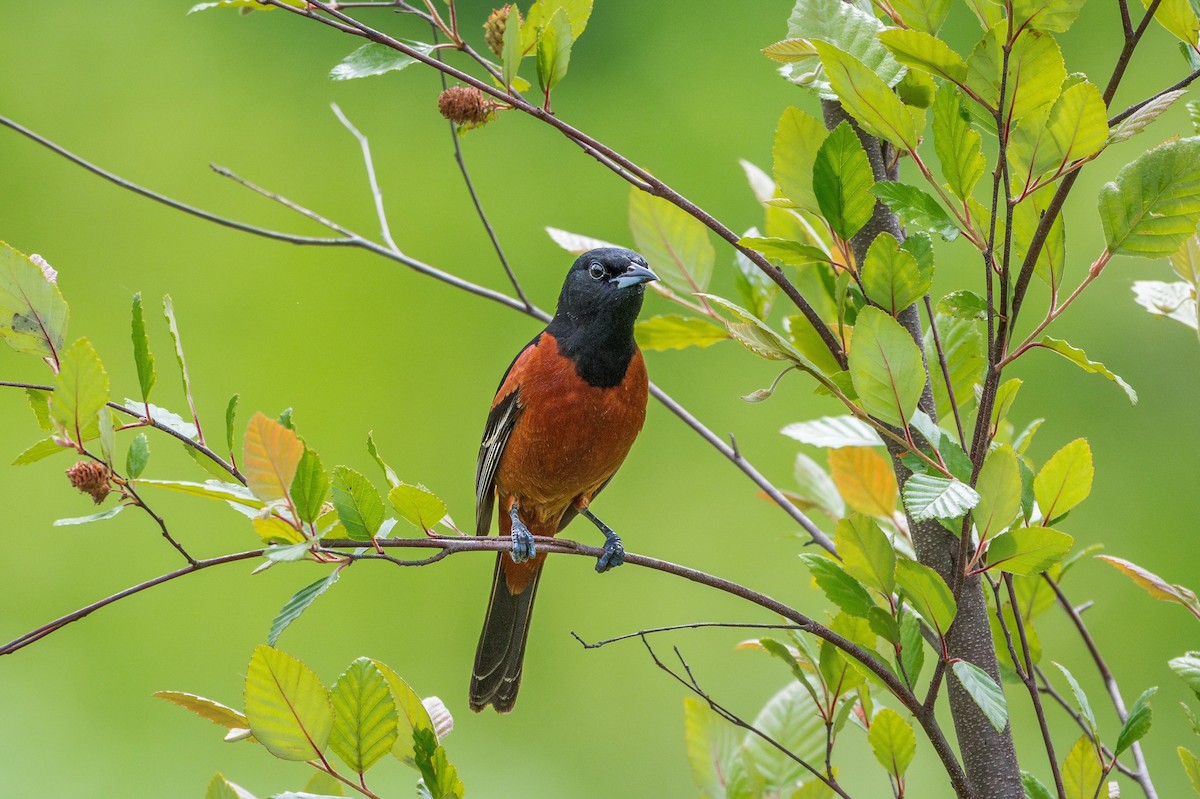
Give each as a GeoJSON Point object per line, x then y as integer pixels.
{"type": "Point", "coordinates": [632, 276]}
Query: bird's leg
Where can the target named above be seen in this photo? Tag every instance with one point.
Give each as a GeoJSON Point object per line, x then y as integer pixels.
{"type": "Point", "coordinates": [522, 539]}
{"type": "Point", "coordinates": [614, 550]}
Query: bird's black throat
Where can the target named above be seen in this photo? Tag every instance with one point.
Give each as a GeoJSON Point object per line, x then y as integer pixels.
{"type": "Point", "coordinates": [601, 349]}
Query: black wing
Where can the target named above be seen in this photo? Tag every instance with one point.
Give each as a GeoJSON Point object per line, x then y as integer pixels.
{"type": "Point", "coordinates": [500, 422]}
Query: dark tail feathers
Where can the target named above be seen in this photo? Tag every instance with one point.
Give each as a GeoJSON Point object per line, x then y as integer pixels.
{"type": "Point", "coordinates": [497, 673]}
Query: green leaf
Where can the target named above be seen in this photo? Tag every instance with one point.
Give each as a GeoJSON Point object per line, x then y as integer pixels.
{"type": "Point", "coordinates": [245, 5]}
{"type": "Point", "coordinates": [999, 488]}
{"type": "Point", "coordinates": [287, 707]}
{"type": "Point", "coordinates": [959, 147]}
{"type": "Point", "coordinates": [137, 457]}
{"type": "Point", "coordinates": [512, 50]}
{"type": "Point", "coordinates": [173, 327]}
{"type": "Point", "coordinates": [33, 314]}
{"type": "Point", "coordinates": [798, 138]}
{"type": "Point", "coordinates": [1137, 723]}
{"type": "Point", "coordinates": [1078, 122]}
{"type": "Point", "coordinates": [891, 277]}
{"type": "Point", "coordinates": [358, 504]}
{"type": "Point", "coordinates": [757, 290]}
{"type": "Point", "coordinates": [439, 777]}
{"type": "Point", "coordinates": [1080, 359]}
{"type": "Point", "coordinates": [95, 517]}
{"type": "Point", "coordinates": [577, 11]}
{"type": "Point", "coordinates": [1034, 789]}
{"type": "Point", "coordinates": [1081, 770]}
{"type": "Point", "coordinates": [1035, 73]}
{"type": "Point", "coordinates": [923, 15]}
{"type": "Point", "coordinates": [928, 593]}
{"type": "Point", "coordinates": [912, 646]}
{"type": "Point", "coordinates": [554, 50]}
{"type": "Point", "coordinates": [1156, 586]}
{"type": "Point", "coordinates": [674, 243]}
{"type": "Point", "coordinates": [39, 403]}
{"type": "Point", "coordinates": [1154, 203]}
{"type": "Point", "coordinates": [924, 52]}
{"type": "Point", "coordinates": [988, 695]}
{"type": "Point", "coordinates": [108, 442]}
{"type": "Point", "coordinates": [1178, 17]}
{"type": "Point", "coordinates": [886, 367]}
{"type": "Point", "coordinates": [1046, 15]}
{"type": "Point", "coordinates": [1065, 480]}
{"type": "Point", "coordinates": [892, 741]}
{"type": "Point", "coordinates": [916, 209]}
{"type": "Point", "coordinates": [962, 343]}
{"type": "Point", "coordinates": [376, 59]}
{"type": "Point", "coordinates": [1191, 767]}
{"type": "Point", "coordinates": [711, 743]}
{"type": "Point", "coordinates": [81, 391]}
{"type": "Point", "coordinates": [142, 356]}
{"type": "Point", "coordinates": [930, 496]}
{"type": "Point", "coordinates": [322, 784]}
{"type": "Point", "coordinates": [309, 487]}
{"type": "Point", "coordinates": [364, 716]}
{"type": "Point", "coordinates": [867, 98]}
{"type": "Point", "coordinates": [849, 28]}
{"type": "Point", "coordinates": [295, 606]}
{"type": "Point", "coordinates": [963, 305]}
{"type": "Point", "coordinates": [841, 589]}
{"type": "Point", "coordinates": [271, 457]}
{"type": "Point", "coordinates": [417, 504]}
{"type": "Point", "coordinates": [916, 89]}
{"type": "Point", "coordinates": [413, 715]}
{"type": "Point", "coordinates": [42, 449]}
{"type": "Point", "coordinates": [219, 787]}
{"type": "Point", "coordinates": [757, 336]}
{"type": "Point", "coordinates": [215, 712]}
{"type": "Point", "coordinates": [834, 432]}
{"type": "Point", "coordinates": [867, 554]}
{"type": "Point", "coordinates": [210, 489]}
{"type": "Point", "coordinates": [1187, 668]}
{"type": "Point", "coordinates": [388, 472]}
{"type": "Point", "coordinates": [1139, 120]}
{"type": "Point", "coordinates": [789, 717]}
{"type": "Point", "coordinates": [1028, 550]}
{"type": "Point", "coordinates": [1085, 707]}
{"type": "Point", "coordinates": [842, 182]}
{"type": "Point", "coordinates": [785, 252]}
{"type": "Point", "coordinates": [675, 332]}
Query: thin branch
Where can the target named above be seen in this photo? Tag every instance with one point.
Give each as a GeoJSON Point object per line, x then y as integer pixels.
{"type": "Point", "coordinates": [376, 194]}
{"type": "Point", "coordinates": [1133, 109]}
{"type": "Point", "coordinates": [692, 685]}
{"type": "Point", "coordinates": [1048, 689]}
{"type": "Point", "coordinates": [945, 367]}
{"type": "Point", "coordinates": [148, 422]}
{"type": "Point", "coordinates": [697, 625]}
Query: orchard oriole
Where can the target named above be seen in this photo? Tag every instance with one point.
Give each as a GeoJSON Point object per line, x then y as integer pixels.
{"type": "Point", "coordinates": [563, 420]}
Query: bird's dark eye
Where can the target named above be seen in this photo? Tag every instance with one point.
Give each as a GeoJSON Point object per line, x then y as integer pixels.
{"type": "Point", "coordinates": [596, 271]}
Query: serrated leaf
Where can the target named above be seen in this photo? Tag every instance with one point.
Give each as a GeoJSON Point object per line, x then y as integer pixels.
{"type": "Point", "coordinates": [81, 391]}
{"type": "Point", "coordinates": [912, 646]}
{"type": "Point", "coordinates": [1085, 706]}
{"type": "Point", "coordinates": [513, 48]}
{"type": "Point", "coordinates": [575, 243]}
{"type": "Point", "coordinates": [1179, 19]}
{"type": "Point", "coordinates": [418, 505]}
{"type": "Point", "coordinates": [930, 496]}
{"type": "Point", "coordinates": [164, 417]}
{"type": "Point", "coordinates": [986, 692]}
{"type": "Point", "coordinates": [867, 554]}
{"type": "Point", "coordinates": [923, 15]}
{"type": "Point", "coordinates": [868, 98]}
{"type": "Point", "coordinates": [39, 403]}
{"type": "Point", "coordinates": [1176, 300]}
{"type": "Point", "coordinates": [1065, 480]}
{"type": "Point", "coordinates": [244, 5]}
{"type": "Point", "coordinates": [999, 489]}
{"type": "Point", "coordinates": [173, 328]}
{"type": "Point", "coordinates": [1035, 73]}
{"type": "Point", "coordinates": [309, 487]}
{"type": "Point", "coordinates": [674, 243]}
{"type": "Point", "coordinates": [891, 277]}
{"type": "Point", "coordinates": [42, 449]}
{"type": "Point", "coordinates": [963, 305]}
{"type": "Point", "coordinates": [916, 208]}
{"type": "Point", "coordinates": [785, 252]}
{"type": "Point", "coordinates": [1154, 585]}
{"type": "Point", "coordinates": [839, 587]}
{"type": "Point", "coordinates": [1187, 668]}
{"type": "Point", "coordinates": [365, 717]}
{"type": "Point", "coordinates": [1080, 359]}
{"type": "Point", "coordinates": [142, 357]}
{"type": "Point", "coordinates": [376, 59]}
{"type": "Point", "coordinates": [928, 593]}
{"type": "Point", "coordinates": [798, 137]}
{"type": "Point", "coordinates": [388, 472]}
{"type": "Point", "coordinates": [1028, 550]}
{"type": "Point", "coordinates": [757, 290]}
{"type": "Point", "coordinates": [413, 715]}
{"type": "Point", "coordinates": [959, 147]}
{"type": "Point", "coordinates": [1055, 16]}
{"type": "Point", "coordinates": [1140, 119]}
{"type": "Point", "coordinates": [439, 777]}
{"type": "Point", "coordinates": [757, 336]}
{"type": "Point", "coordinates": [1137, 723]}
{"type": "Point", "coordinates": [1081, 770]}
{"type": "Point", "coordinates": [842, 181]}
{"type": "Point", "coordinates": [299, 603]}
{"type": "Point", "coordinates": [230, 419]}
{"type": "Point", "coordinates": [922, 51]}
{"type": "Point", "coordinates": [789, 717]}
{"type": "Point", "coordinates": [33, 314]}
{"type": "Point", "coordinates": [215, 712]}
{"type": "Point", "coordinates": [137, 457]}
{"type": "Point", "coordinates": [834, 432]}
{"type": "Point", "coordinates": [711, 743]}
{"type": "Point", "coordinates": [95, 517]}
{"type": "Point", "coordinates": [789, 51]}
{"type": "Point", "coordinates": [1154, 203]}
{"type": "Point", "coordinates": [287, 706]}
{"type": "Point", "coordinates": [851, 29]}
{"type": "Point", "coordinates": [324, 785]}
{"type": "Point", "coordinates": [865, 480]}
{"type": "Point", "coordinates": [271, 456]}
{"type": "Point", "coordinates": [1191, 767]}
{"type": "Point", "coordinates": [892, 741]}
{"type": "Point", "coordinates": [675, 332]}
{"type": "Point", "coordinates": [962, 343]}
{"type": "Point", "coordinates": [886, 367]}
{"type": "Point", "coordinates": [209, 489]}
{"type": "Point", "coordinates": [358, 504]}
{"type": "Point", "coordinates": [554, 44]}
{"type": "Point", "coordinates": [1034, 789]}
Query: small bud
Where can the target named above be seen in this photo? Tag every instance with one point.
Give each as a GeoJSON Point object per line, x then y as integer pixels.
{"type": "Point", "coordinates": [90, 478]}
{"type": "Point", "coordinates": [466, 106]}
{"type": "Point", "coordinates": [493, 29]}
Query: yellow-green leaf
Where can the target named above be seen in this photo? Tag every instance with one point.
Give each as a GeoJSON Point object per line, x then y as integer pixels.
{"type": "Point", "coordinates": [1046, 15]}
{"type": "Point", "coordinates": [554, 50]}
{"type": "Point", "coordinates": [215, 712]}
{"type": "Point", "coordinates": [928, 593]}
{"type": "Point", "coordinates": [892, 741]}
{"type": "Point", "coordinates": [1178, 17]}
{"type": "Point", "coordinates": [1081, 770]}
{"type": "Point", "coordinates": [675, 332]}
{"type": "Point", "coordinates": [1028, 550]}
{"type": "Point", "coordinates": [866, 553]}
{"type": "Point", "coordinates": [417, 504]}
{"type": "Point", "coordinates": [959, 147]}
{"type": "Point", "coordinates": [81, 391]}
{"type": "Point", "coordinates": [413, 715]}
{"type": "Point", "coordinates": [886, 367]}
{"type": "Point", "coordinates": [33, 314]}
{"type": "Point", "coordinates": [365, 717]}
{"type": "Point", "coordinates": [1154, 203]}
{"type": "Point", "coordinates": [842, 182]}
{"type": "Point", "coordinates": [928, 53]}
{"type": "Point", "coordinates": [999, 488]}
{"type": "Point", "coordinates": [1035, 72]}
{"type": "Point", "coordinates": [867, 98]}
{"type": "Point", "coordinates": [798, 137]}
{"type": "Point", "coordinates": [891, 277]}
{"type": "Point", "coordinates": [1065, 480]}
{"type": "Point", "coordinates": [287, 706]}
{"type": "Point", "coordinates": [674, 243]}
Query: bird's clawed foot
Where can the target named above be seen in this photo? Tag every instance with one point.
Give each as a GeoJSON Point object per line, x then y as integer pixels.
{"type": "Point", "coordinates": [522, 540]}
{"type": "Point", "coordinates": [614, 554]}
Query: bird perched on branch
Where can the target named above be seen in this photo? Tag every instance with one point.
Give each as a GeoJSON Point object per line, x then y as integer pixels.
{"type": "Point", "coordinates": [563, 420]}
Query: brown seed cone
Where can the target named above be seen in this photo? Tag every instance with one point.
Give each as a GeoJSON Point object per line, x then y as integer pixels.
{"type": "Point", "coordinates": [465, 105]}
{"type": "Point", "coordinates": [90, 478]}
{"type": "Point", "coordinates": [493, 29]}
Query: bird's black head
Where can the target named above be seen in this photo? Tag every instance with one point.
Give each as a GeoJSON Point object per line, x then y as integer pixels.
{"type": "Point", "coordinates": [597, 307]}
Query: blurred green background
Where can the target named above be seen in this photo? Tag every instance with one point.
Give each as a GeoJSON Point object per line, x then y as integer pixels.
{"type": "Point", "coordinates": [357, 343]}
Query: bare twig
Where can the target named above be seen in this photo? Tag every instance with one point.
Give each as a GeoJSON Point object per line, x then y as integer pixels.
{"type": "Point", "coordinates": [945, 368]}
{"type": "Point", "coordinates": [376, 194]}
{"type": "Point", "coordinates": [1048, 689]}
{"type": "Point", "coordinates": [696, 625]}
